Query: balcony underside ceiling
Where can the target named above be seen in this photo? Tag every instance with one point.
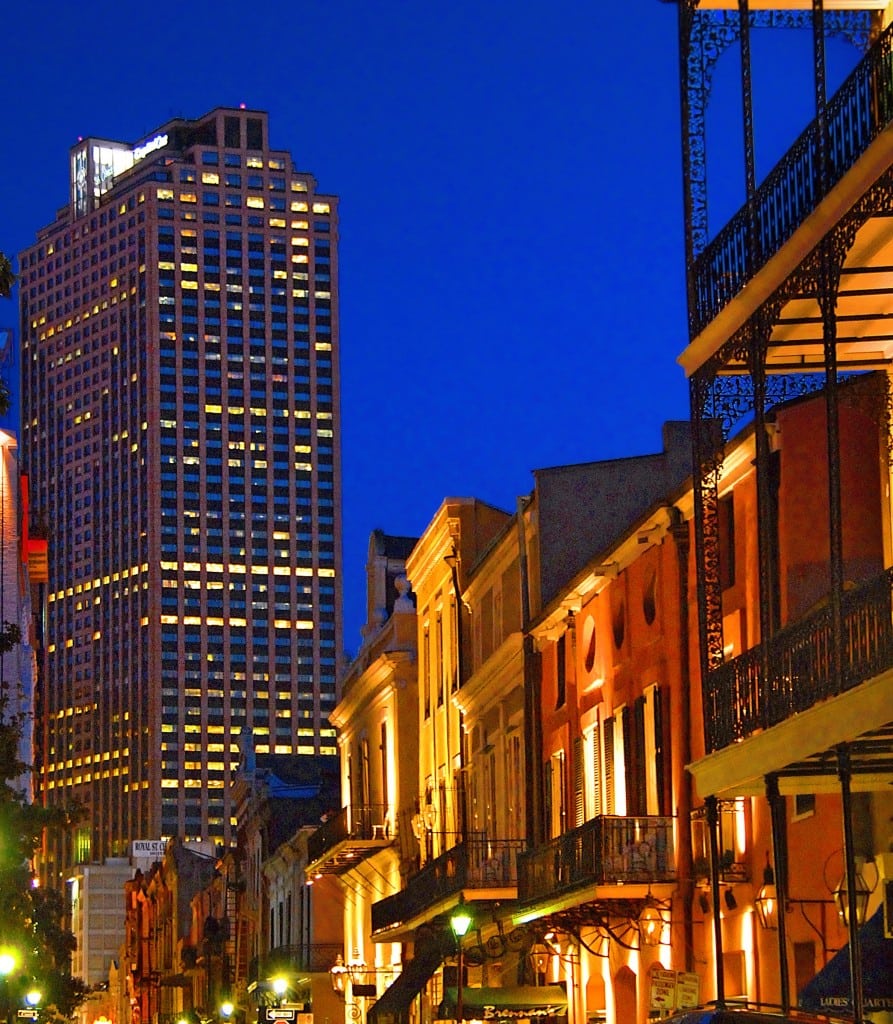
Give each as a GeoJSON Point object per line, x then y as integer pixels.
{"type": "Point", "coordinates": [345, 855]}
{"type": "Point", "coordinates": [484, 904]}
{"type": "Point", "coordinates": [864, 313]}
{"type": "Point", "coordinates": [550, 908]}
{"type": "Point", "coordinates": [802, 750]}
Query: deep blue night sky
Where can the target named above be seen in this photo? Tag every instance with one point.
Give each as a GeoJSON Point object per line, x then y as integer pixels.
{"type": "Point", "coordinates": [511, 228]}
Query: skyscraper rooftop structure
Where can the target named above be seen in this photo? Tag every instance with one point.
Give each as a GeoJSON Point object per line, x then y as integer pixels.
{"type": "Point", "coordinates": [179, 336]}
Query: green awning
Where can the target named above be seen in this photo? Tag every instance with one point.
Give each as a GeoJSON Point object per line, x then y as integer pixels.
{"type": "Point", "coordinates": [520, 1002]}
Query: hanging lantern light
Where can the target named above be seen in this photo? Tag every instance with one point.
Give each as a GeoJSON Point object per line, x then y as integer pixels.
{"type": "Point", "coordinates": [651, 924]}
{"type": "Point", "coordinates": [540, 955]}
{"type": "Point", "coordinates": [766, 903]}
{"type": "Point", "coordinates": [841, 898]}
{"type": "Point", "coordinates": [338, 974]}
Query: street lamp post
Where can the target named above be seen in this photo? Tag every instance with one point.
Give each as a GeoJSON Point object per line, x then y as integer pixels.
{"type": "Point", "coordinates": [32, 999]}
{"type": "Point", "coordinates": [460, 922]}
{"type": "Point", "coordinates": [8, 963]}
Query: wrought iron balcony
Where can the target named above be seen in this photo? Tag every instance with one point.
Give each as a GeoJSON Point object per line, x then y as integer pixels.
{"type": "Point", "coordinates": [603, 851]}
{"type": "Point", "coordinates": [352, 834]}
{"type": "Point", "coordinates": [476, 864]}
{"type": "Point", "coordinates": [739, 702]}
{"type": "Point", "coordinates": [306, 959]}
{"type": "Point", "coordinates": [855, 116]}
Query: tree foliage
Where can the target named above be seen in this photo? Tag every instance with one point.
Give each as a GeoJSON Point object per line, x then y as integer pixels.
{"type": "Point", "coordinates": [31, 917]}
{"type": "Point", "coordinates": [7, 280]}
{"type": "Point", "coordinates": [7, 277]}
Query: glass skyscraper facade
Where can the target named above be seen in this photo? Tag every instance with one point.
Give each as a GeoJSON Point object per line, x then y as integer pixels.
{"type": "Point", "coordinates": [181, 432]}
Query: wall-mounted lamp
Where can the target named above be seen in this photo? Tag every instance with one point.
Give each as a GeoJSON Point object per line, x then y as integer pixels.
{"type": "Point", "coordinates": [430, 814]}
{"type": "Point", "coordinates": [356, 969]}
{"type": "Point", "coordinates": [338, 975]}
{"type": "Point", "coordinates": [651, 924]}
{"type": "Point", "coordinates": [841, 898]}
{"type": "Point", "coordinates": [766, 902]}
{"type": "Point", "coordinates": [540, 954]}
{"type": "Point", "coordinates": [729, 897]}
{"type": "Point", "coordinates": [704, 902]}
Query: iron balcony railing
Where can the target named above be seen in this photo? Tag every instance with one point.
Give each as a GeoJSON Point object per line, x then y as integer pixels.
{"type": "Point", "coordinates": [858, 112]}
{"type": "Point", "coordinates": [603, 851]}
{"type": "Point", "coordinates": [738, 702]}
{"type": "Point", "coordinates": [369, 821]}
{"type": "Point", "coordinates": [312, 957]}
{"type": "Point", "coordinates": [477, 863]}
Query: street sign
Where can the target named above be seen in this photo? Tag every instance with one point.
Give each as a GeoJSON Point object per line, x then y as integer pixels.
{"type": "Point", "coordinates": [688, 991]}
{"type": "Point", "coordinates": [663, 990]}
{"type": "Point", "coordinates": [280, 1014]}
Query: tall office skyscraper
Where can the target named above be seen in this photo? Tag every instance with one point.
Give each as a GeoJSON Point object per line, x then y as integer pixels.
{"type": "Point", "coordinates": [181, 432]}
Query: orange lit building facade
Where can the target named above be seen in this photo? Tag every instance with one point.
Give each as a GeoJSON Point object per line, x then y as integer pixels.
{"type": "Point", "coordinates": [788, 299]}
{"type": "Point", "coordinates": [621, 879]}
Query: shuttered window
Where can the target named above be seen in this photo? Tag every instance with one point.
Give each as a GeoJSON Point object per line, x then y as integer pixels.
{"type": "Point", "coordinates": [639, 760]}
{"type": "Point", "coordinates": [595, 758]}
{"type": "Point", "coordinates": [579, 782]}
{"type": "Point", "coordinates": [654, 751]}
{"type": "Point", "coordinates": [547, 797]}
{"type": "Point", "coordinates": [608, 748]}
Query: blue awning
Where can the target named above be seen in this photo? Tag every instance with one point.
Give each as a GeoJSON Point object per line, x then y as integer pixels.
{"type": "Point", "coordinates": [829, 991]}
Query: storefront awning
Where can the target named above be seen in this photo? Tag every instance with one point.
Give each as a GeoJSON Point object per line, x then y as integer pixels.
{"type": "Point", "coordinates": [522, 1002]}
{"type": "Point", "coordinates": [829, 991]}
{"type": "Point", "coordinates": [395, 1001]}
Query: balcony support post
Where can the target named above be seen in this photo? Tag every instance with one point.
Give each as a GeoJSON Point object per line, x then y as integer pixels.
{"type": "Point", "coordinates": [780, 856]}
{"type": "Point", "coordinates": [818, 55]}
{"type": "Point", "coordinates": [712, 812]}
{"type": "Point", "coordinates": [533, 711]}
{"type": "Point", "coordinates": [693, 102]}
{"type": "Point", "coordinates": [750, 174]}
{"type": "Point", "coordinates": [844, 773]}
{"type": "Point", "coordinates": [766, 517]}
{"type": "Point", "coordinates": [828, 281]}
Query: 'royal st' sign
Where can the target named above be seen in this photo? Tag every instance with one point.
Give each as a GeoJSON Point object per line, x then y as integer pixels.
{"type": "Point", "coordinates": [142, 849]}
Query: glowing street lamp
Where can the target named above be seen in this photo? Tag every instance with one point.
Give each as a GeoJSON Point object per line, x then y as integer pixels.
{"type": "Point", "coordinates": [460, 922]}
{"type": "Point", "coordinates": [280, 987]}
